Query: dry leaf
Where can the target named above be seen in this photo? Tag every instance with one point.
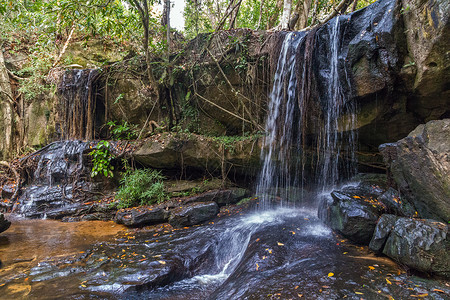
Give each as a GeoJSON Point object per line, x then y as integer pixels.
{"type": "Point", "coordinates": [330, 274]}
{"type": "Point", "coordinates": [162, 262]}
{"type": "Point", "coordinates": [372, 268]}
{"type": "Point", "coordinates": [280, 244]}
{"type": "Point", "coordinates": [257, 267]}
{"type": "Point", "coordinates": [387, 280]}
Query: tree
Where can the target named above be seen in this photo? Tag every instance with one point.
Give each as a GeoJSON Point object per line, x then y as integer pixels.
{"type": "Point", "coordinates": [143, 8]}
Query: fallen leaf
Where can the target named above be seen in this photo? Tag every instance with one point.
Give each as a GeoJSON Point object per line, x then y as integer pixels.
{"type": "Point", "coordinates": [280, 244]}
{"type": "Point", "coordinates": [257, 240]}
{"type": "Point", "coordinates": [359, 293]}
{"type": "Point", "coordinates": [372, 268]}
{"type": "Point", "coordinates": [387, 280]}
{"type": "Point", "coordinates": [330, 274]}
{"type": "Point", "coordinates": [357, 197]}
{"type": "Point", "coordinates": [300, 295]}
{"type": "Point", "coordinates": [162, 262]}
{"type": "Point", "coordinates": [257, 267]}
{"type": "Point", "coordinates": [440, 291]}
{"type": "Point", "coordinates": [296, 287]}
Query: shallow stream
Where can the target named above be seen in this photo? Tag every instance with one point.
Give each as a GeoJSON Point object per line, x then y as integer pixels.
{"type": "Point", "coordinates": [279, 254]}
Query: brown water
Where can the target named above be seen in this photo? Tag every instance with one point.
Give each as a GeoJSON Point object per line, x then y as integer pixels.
{"type": "Point", "coordinates": [28, 242]}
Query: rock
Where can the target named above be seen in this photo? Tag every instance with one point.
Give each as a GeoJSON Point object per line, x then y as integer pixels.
{"type": "Point", "coordinates": [422, 245]}
{"type": "Point", "coordinates": [382, 230]}
{"type": "Point", "coordinates": [427, 29]}
{"type": "Point", "coordinates": [351, 213]}
{"type": "Point", "coordinates": [173, 151]}
{"type": "Point", "coordinates": [141, 216]}
{"type": "Point", "coordinates": [193, 214]}
{"type": "Point", "coordinates": [420, 166]}
{"type": "Point", "coordinates": [396, 204]}
{"type": "Point", "coordinates": [4, 224]}
{"type": "Point", "coordinates": [221, 197]}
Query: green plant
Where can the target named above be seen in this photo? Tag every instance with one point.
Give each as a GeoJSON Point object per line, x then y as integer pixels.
{"type": "Point", "coordinates": [140, 187]}
{"type": "Point", "coordinates": [123, 131]}
{"type": "Point", "coordinates": [101, 159]}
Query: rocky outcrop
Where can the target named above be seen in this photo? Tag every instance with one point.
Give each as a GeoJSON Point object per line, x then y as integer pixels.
{"type": "Point", "coordinates": [427, 29]}
{"type": "Point", "coordinates": [193, 214]}
{"type": "Point", "coordinates": [352, 211]}
{"type": "Point", "coordinates": [175, 151]}
{"type": "Point", "coordinates": [422, 245]}
{"type": "Point", "coordinates": [420, 166]}
{"type": "Point", "coordinates": [4, 224]}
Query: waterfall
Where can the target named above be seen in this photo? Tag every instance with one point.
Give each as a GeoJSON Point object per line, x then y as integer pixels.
{"type": "Point", "coordinates": [307, 81]}
{"type": "Point", "coordinates": [77, 104]}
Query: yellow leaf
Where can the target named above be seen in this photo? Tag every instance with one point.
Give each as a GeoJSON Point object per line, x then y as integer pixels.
{"type": "Point", "coordinates": [330, 274]}
{"type": "Point", "coordinates": [83, 285]}
{"type": "Point", "coordinates": [387, 280]}
{"type": "Point", "coordinates": [359, 293]}
{"type": "Point", "coordinates": [280, 244]}
{"type": "Point", "coordinates": [162, 262]}
{"type": "Point", "coordinates": [257, 267]}
{"type": "Point", "coordinates": [357, 197]}
{"type": "Point", "coordinates": [300, 295]}
{"type": "Point", "coordinates": [440, 291]}
{"type": "Point", "coordinates": [345, 252]}
{"type": "Point", "coordinates": [372, 268]}
{"type": "Point", "coordinates": [296, 287]}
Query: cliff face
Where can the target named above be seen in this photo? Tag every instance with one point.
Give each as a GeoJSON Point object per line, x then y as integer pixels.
{"type": "Point", "coordinates": [393, 65]}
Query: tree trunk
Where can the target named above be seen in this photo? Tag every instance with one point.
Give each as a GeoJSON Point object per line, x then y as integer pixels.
{"type": "Point", "coordinates": [287, 8]}
{"type": "Point", "coordinates": [260, 14]}
{"type": "Point", "coordinates": [274, 17]}
{"type": "Point", "coordinates": [6, 111]}
{"type": "Point", "coordinates": [302, 9]}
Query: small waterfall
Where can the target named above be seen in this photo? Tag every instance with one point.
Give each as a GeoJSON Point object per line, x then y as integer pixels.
{"type": "Point", "coordinates": [77, 104]}
{"type": "Point", "coordinates": [56, 175]}
{"type": "Point", "coordinates": [308, 102]}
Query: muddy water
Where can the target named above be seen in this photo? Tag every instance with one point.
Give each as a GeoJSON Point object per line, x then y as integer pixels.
{"type": "Point", "coordinates": [28, 242]}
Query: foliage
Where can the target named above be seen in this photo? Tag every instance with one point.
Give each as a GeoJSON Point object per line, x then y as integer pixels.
{"type": "Point", "coordinates": [204, 16]}
{"type": "Point", "coordinates": [101, 159]}
{"type": "Point", "coordinates": [140, 187]}
{"type": "Point", "coordinates": [123, 131]}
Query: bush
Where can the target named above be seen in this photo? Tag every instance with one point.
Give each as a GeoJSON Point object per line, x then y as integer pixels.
{"type": "Point", "coordinates": [101, 160]}
{"type": "Point", "coordinates": [140, 187]}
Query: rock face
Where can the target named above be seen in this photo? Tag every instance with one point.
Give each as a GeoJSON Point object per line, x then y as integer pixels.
{"type": "Point", "coordinates": [173, 151]}
{"type": "Point", "coordinates": [422, 245]}
{"type": "Point", "coordinates": [420, 166]}
{"type": "Point", "coordinates": [193, 214]}
{"type": "Point", "coordinates": [4, 224]}
{"type": "Point", "coordinates": [353, 212]}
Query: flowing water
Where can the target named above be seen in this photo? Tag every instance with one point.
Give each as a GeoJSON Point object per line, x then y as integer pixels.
{"type": "Point", "coordinates": [284, 154]}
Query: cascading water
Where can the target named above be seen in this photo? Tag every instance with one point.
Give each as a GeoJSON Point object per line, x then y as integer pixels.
{"type": "Point", "coordinates": [278, 172]}
{"type": "Point", "coordinates": [77, 104]}
{"type": "Point", "coordinates": [285, 155]}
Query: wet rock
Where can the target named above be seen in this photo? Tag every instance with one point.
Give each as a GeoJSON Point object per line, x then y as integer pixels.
{"type": "Point", "coordinates": [352, 213]}
{"type": "Point", "coordinates": [193, 214]}
{"type": "Point", "coordinates": [221, 197]}
{"type": "Point", "coordinates": [4, 224]}
{"type": "Point", "coordinates": [141, 216]}
{"type": "Point", "coordinates": [396, 204]}
{"type": "Point", "coordinates": [382, 230]}
{"type": "Point", "coordinates": [420, 166]}
{"type": "Point", "coordinates": [423, 245]}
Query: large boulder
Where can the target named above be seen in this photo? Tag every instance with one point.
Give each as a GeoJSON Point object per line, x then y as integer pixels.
{"type": "Point", "coordinates": [193, 214]}
{"type": "Point", "coordinates": [353, 212]}
{"type": "Point", "coordinates": [4, 224]}
{"type": "Point", "coordinates": [422, 245]}
{"type": "Point", "coordinates": [420, 166]}
{"type": "Point", "coordinates": [175, 151]}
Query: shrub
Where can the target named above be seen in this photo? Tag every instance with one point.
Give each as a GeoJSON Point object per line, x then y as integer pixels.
{"type": "Point", "coordinates": [140, 187]}
{"type": "Point", "coordinates": [101, 160]}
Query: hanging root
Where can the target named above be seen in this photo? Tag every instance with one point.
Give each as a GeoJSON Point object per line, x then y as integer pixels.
{"type": "Point", "coordinates": [17, 178]}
